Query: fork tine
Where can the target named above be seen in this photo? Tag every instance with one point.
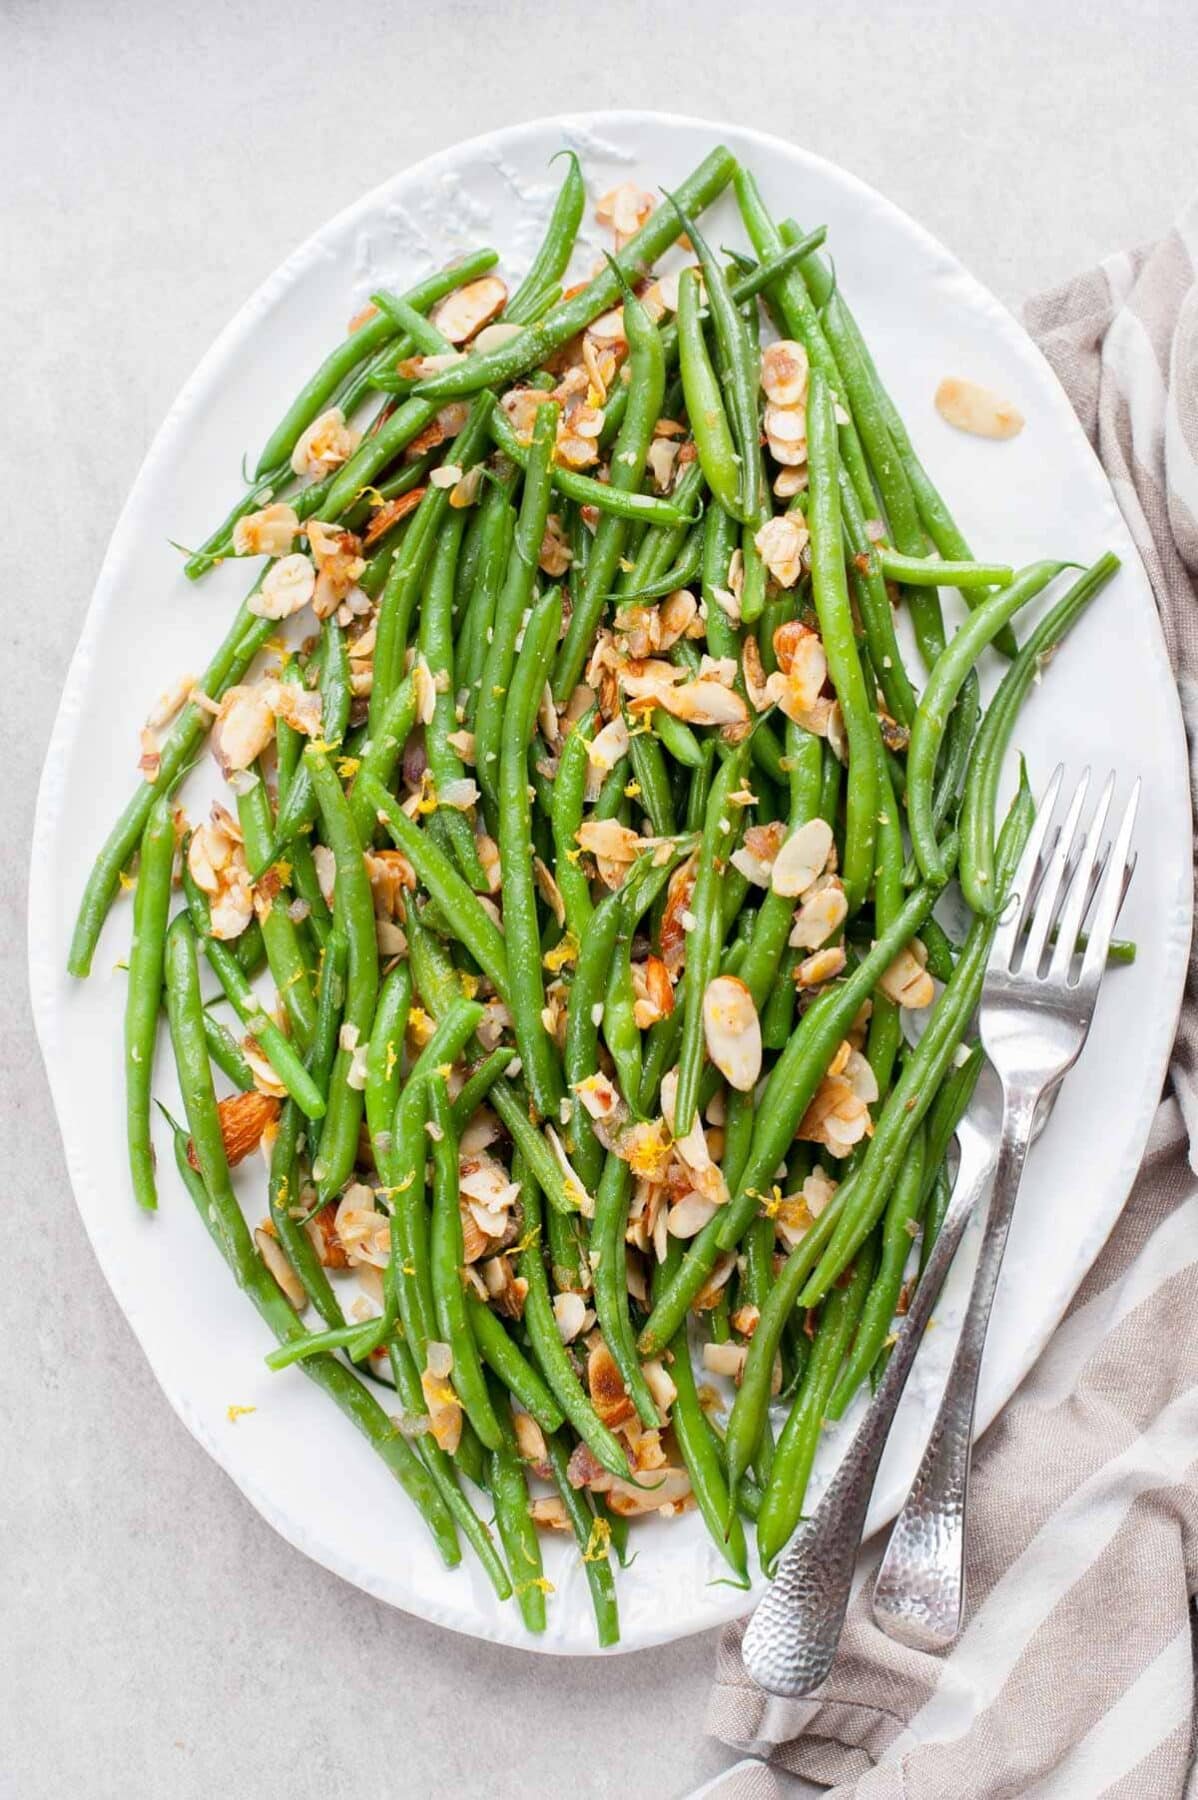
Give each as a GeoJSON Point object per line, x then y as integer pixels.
{"type": "Point", "coordinates": [1110, 894]}
{"type": "Point", "coordinates": [1082, 888]}
{"type": "Point", "coordinates": [1006, 935]}
{"type": "Point", "coordinates": [1048, 898]}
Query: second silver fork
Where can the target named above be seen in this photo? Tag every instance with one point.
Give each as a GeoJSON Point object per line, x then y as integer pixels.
{"type": "Point", "coordinates": [1033, 1026]}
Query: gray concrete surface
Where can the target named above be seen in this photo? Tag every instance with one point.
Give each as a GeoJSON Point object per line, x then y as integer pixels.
{"type": "Point", "coordinates": [157, 1639]}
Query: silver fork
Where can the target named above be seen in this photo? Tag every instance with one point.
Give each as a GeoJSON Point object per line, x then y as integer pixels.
{"type": "Point", "coordinates": [791, 1639]}
{"type": "Point", "coordinates": [1033, 1027]}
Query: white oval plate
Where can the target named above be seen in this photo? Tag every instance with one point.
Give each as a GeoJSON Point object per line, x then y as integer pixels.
{"type": "Point", "coordinates": [1110, 701]}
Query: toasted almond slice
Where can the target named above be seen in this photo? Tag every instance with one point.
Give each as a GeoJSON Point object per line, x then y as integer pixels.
{"type": "Point", "coordinates": [822, 965]}
{"type": "Point", "coordinates": [981, 412]}
{"type": "Point", "coordinates": [907, 982]}
{"type": "Point", "coordinates": [275, 1258]}
{"type": "Point", "coordinates": [726, 1359]}
{"type": "Point", "coordinates": [780, 544]}
{"type": "Point", "coordinates": [244, 726]}
{"type": "Point", "coordinates": [609, 1396]}
{"type": "Point", "coordinates": [325, 445]}
{"type": "Point", "coordinates": [688, 1216]}
{"type": "Point", "coordinates": [733, 1031]}
{"type": "Point", "coordinates": [464, 312]}
{"type": "Point", "coordinates": [822, 912]}
{"type": "Point", "coordinates": [784, 372]}
{"type": "Point", "coordinates": [286, 589]}
{"type": "Point", "coordinates": [570, 1311]}
{"type": "Point", "coordinates": [268, 532]}
{"type": "Point", "coordinates": [802, 858]}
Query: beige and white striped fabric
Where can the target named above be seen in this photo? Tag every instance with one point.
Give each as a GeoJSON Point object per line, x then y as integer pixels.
{"type": "Point", "coordinates": [1074, 1674]}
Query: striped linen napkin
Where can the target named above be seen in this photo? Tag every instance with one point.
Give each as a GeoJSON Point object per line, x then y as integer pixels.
{"type": "Point", "coordinates": [1074, 1674]}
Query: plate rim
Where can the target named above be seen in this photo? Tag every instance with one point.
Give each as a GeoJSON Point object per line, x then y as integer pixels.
{"type": "Point", "coordinates": [51, 788]}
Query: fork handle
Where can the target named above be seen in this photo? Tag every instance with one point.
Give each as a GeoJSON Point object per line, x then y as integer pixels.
{"type": "Point", "coordinates": [791, 1639]}
{"type": "Point", "coordinates": [919, 1595]}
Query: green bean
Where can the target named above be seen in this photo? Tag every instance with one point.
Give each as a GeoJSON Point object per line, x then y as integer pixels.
{"type": "Point", "coordinates": [312, 398]}
{"type": "Point", "coordinates": [585, 490]}
{"type": "Point", "coordinates": [947, 1110]}
{"type": "Point", "coordinates": [620, 1030]}
{"type": "Point", "coordinates": [472, 926]}
{"type": "Point", "coordinates": [745, 287]}
{"type": "Point", "coordinates": [398, 599]}
{"type": "Point", "coordinates": [885, 1024]}
{"type": "Point", "coordinates": [873, 603]}
{"type": "Point", "coordinates": [499, 367]}
{"type": "Point", "coordinates": [580, 1511]}
{"type": "Point", "coordinates": [552, 259]}
{"type": "Point", "coordinates": [545, 1339]}
{"type": "Point", "coordinates": [384, 1055]}
{"type": "Point", "coordinates": [353, 910]}
{"type": "Point", "coordinates": [942, 952]}
{"type": "Point", "coordinates": [788, 298]}
{"type": "Point", "coordinates": [830, 593]}
{"type": "Point", "coordinates": [225, 1052]}
{"type": "Point", "coordinates": [916, 1087]}
{"type": "Point", "coordinates": [501, 1353]}
{"type": "Point", "coordinates": [514, 601]}
{"type": "Point", "coordinates": [680, 574]}
{"type": "Point", "coordinates": [185, 1014]}
{"type": "Point", "coordinates": [936, 702]}
{"type": "Point", "coordinates": [898, 1235]}
{"type": "Point", "coordinates": [404, 1174]}
{"type": "Point", "coordinates": [228, 1230]}
{"type": "Point", "coordinates": [788, 1092]}
{"type": "Point", "coordinates": [447, 1259]}
{"type": "Point", "coordinates": [609, 1268]}
{"type": "Point", "coordinates": [478, 1085]}
{"type": "Point", "coordinates": [151, 909]}
{"type": "Point", "coordinates": [274, 1046]}
{"type": "Point", "coordinates": [513, 1516]}
{"type": "Point", "coordinates": [278, 927]}
{"type": "Point", "coordinates": [782, 1505]}
{"type": "Point", "coordinates": [569, 794]}
{"type": "Point", "coordinates": [240, 645]}
{"type": "Point", "coordinates": [436, 645]}
{"type": "Point", "coordinates": [709, 422]}
{"type": "Point", "coordinates": [741, 368]}
{"type": "Point", "coordinates": [627, 467]}
{"type": "Point", "coordinates": [581, 1054]}
{"type": "Point", "coordinates": [930, 571]}
{"type": "Point", "coordinates": [985, 764]}
{"type": "Point", "coordinates": [297, 809]}
{"type": "Point", "coordinates": [704, 941]}
{"type": "Point", "coordinates": [934, 514]}
{"type": "Point", "coordinates": [933, 1218]}
{"type": "Point", "coordinates": [282, 1186]}
{"type": "Point", "coordinates": [522, 939]}
{"type": "Point", "coordinates": [700, 1448]}
{"type": "Point", "coordinates": [497, 528]}
{"type": "Point", "coordinates": [775, 915]}
{"type": "Point", "coordinates": [748, 1421]}
{"type": "Point", "coordinates": [476, 1532]}
{"type": "Point", "coordinates": [382, 753]}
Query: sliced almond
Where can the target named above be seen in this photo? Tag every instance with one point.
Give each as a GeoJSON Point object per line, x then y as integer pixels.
{"type": "Point", "coordinates": [784, 372]}
{"type": "Point", "coordinates": [968, 406]}
{"type": "Point", "coordinates": [802, 858]}
{"type": "Point", "coordinates": [286, 588]}
{"type": "Point", "coordinates": [275, 1258]}
{"type": "Point", "coordinates": [733, 1031]}
{"type": "Point", "coordinates": [268, 532]}
{"type": "Point", "coordinates": [464, 312]}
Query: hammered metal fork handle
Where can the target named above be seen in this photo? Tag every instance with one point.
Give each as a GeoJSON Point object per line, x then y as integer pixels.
{"type": "Point", "coordinates": [792, 1637]}
{"type": "Point", "coordinates": [919, 1596]}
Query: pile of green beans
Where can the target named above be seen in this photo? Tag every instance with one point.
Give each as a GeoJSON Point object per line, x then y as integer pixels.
{"type": "Point", "coordinates": [491, 938]}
